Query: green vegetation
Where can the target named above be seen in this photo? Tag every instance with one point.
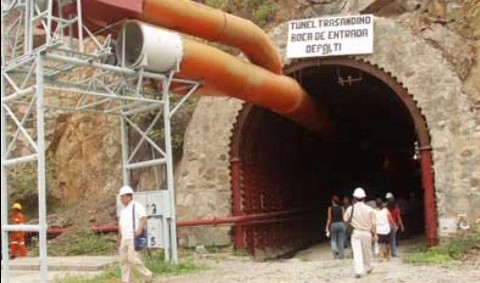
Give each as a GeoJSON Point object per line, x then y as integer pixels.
{"type": "Point", "coordinates": [265, 12]}
{"type": "Point", "coordinates": [154, 262]}
{"type": "Point", "coordinates": [258, 11]}
{"type": "Point", "coordinates": [240, 252]}
{"type": "Point", "coordinates": [445, 253]}
{"type": "Point", "coordinates": [84, 242]}
{"type": "Point", "coordinates": [111, 275]}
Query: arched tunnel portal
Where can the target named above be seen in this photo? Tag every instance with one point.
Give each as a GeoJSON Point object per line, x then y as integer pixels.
{"type": "Point", "coordinates": [288, 174]}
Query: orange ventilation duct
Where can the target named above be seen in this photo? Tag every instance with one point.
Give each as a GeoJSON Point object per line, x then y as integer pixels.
{"type": "Point", "coordinates": [159, 50]}
{"type": "Point", "coordinates": [260, 83]}
{"type": "Point", "coordinates": [191, 18]}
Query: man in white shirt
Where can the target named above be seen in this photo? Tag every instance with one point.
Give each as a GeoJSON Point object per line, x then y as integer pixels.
{"type": "Point", "coordinates": [128, 256]}
{"type": "Point", "coordinates": [364, 224]}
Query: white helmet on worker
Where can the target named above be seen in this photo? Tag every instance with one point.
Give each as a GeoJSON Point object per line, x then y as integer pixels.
{"type": "Point", "coordinates": [389, 195]}
{"type": "Point", "coordinates": [359, 193]}
{"type": "Point", "coordinates": [17, 206]}
{"type": "Point", "coordinates": [126, 190]}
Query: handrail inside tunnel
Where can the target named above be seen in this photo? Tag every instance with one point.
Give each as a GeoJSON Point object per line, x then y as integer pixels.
{"type": "Point", "coordinates": [260, 83]}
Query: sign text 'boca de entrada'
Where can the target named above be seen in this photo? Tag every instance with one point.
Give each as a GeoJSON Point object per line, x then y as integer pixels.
{"type": "Point", "coordinates": [330, 36]}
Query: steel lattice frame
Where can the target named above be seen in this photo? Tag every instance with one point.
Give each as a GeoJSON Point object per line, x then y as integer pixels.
{"type": "Point", "coordinates": [31, 79]}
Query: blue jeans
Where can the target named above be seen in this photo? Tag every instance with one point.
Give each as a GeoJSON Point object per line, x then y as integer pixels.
{"type": "Point", "coordinates": [337, 240]}
{"type": "Point", "coordinates": [393, 241]}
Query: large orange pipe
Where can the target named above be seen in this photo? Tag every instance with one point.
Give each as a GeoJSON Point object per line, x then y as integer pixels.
{"type": "Point", "coordinates": [222, 73]}
{"type": "Point", "coordinates": [195, 19]}
{"type": "Point", "coordinates": [236, 78]}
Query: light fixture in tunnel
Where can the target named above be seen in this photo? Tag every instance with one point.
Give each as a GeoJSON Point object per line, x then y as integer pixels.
{"type": "Point", "coordinates": [416, 151]}
{"type": "Point", "coordinates": [349, 79]}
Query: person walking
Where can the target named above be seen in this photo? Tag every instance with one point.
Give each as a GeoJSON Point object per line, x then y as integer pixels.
{"type": "Point", "coordinates": [346, 204]}
{"type": "Point", "coordinates": [133, 219]}
{"type": "Point", "coordinates": [363, 220]}
{"type": "Point", "coordinates": [336, 228]}
{"type": "Point", "coordinates": [397, 223]}
{"type": "Point", "coordinates": [17, 238]}
{"type": "Point", "coordinates": [384, 224]}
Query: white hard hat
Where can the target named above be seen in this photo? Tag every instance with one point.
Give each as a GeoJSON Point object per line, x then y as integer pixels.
{"type": "Point", "coordinates": [17, 206]}
{"type": "Point", "coordinates": [125, 190]}
{"type": "Point", "coordinates": [389, 195]}
{"type": "Point", "coordinates": [359, 193]}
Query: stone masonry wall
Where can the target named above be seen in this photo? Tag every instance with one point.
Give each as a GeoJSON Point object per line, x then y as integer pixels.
{"type": "Point", "coordinates": [429, 75]}
{"type": "Point", "coordinates": [203, 178]}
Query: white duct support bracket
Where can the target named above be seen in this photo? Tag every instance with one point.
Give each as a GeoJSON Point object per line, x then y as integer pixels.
{"type": "Point", "coordinates": [155, 49]}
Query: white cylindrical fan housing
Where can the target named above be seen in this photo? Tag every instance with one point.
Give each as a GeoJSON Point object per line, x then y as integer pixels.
{"type": "Point", "coordinates": [155, 49]}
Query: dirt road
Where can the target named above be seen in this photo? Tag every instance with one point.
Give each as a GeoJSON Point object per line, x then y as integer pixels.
{"type": "Point", "coordinates": [315, 265]}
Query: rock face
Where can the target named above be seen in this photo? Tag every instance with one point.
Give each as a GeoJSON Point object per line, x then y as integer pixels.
{"type": "Point", "coordinates": [87, 158]}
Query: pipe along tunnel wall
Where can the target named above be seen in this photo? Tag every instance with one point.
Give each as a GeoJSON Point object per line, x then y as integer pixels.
{"type": "Point", "coordinates": [281, 166]}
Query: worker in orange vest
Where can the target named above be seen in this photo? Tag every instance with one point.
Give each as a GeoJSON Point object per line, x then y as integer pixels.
{"type": "Point", "coordinates": [17, 239]}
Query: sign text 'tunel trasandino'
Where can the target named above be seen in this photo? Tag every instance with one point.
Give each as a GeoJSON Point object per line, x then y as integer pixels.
{"type": "Point", "coordinates": [332, 36]}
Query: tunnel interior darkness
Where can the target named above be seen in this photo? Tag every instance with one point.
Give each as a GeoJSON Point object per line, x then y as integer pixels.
{"type": "Point", "coordinates": [286, 168]}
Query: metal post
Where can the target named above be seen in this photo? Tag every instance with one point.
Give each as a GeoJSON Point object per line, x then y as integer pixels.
{"type": "Point", "coordinates": [3, 45]}
{"type": "Point", "coordinates": [170, 178]}
{"type": "Point", "coordinates": [42, 209]}
{"type": "Point", "coordinates": [166, 242]}
{"type": "Point", "coordinates": [429, 195]}
{"type": "Point", "coordinates": [4, 188]}
{"type": "Point", "coordinates": [80, 26]}
{"type": "Point", "coordinates": [48, 32]}
{"type": "Point", "coordinates": [28, 26]}
{"type": "Point", "coordinates": [124, 133]}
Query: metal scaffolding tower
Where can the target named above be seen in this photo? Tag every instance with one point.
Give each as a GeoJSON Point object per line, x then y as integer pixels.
{"type": "Point", "coordinates": [51, 60]}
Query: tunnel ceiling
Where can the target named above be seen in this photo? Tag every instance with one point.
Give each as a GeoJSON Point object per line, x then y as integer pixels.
{"type": "Point", "coordinates": [364, 107]}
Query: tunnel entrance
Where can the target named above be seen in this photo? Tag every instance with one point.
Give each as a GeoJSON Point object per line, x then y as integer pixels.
{"type": "Point", "coordinates": [284, 176]}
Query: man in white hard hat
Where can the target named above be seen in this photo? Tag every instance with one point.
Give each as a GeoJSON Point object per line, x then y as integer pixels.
{"type": "Point", "coordinates": [389, 196]}
{"type": "Point", "coordinates": [131, 211]}
{"type": "Point", "coordinates": [363, 221]}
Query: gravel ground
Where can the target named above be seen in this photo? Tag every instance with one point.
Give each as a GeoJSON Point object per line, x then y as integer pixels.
{"type": "Point", "coordinates": [315, 265]}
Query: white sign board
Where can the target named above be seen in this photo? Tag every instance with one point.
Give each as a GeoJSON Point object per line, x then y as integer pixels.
{"type": "Point", "coordinates": [448, 226]}
{"type": "Point", "coordinates": [330, 36]}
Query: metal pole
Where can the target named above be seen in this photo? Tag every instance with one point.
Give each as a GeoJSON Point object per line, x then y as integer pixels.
{"type": "Point", "coordinates": [165, 238]}
{"type": "Point", "coordinates": [27, 27]}
{"type": "Point", "coordinates": [42, 209]}
{"type": "Point", "coordinates": [48, 32]}
{"type": "Point", "coordinates": [170, 178]}
{"type": "Point", "coordinates": [124, 133]}
{"type": "Point", "coordinates": [4, 183]}
{"type": "Point", "coordinates": [80, 26]}
{"type": "Point", "coordinates": [430, 208]}
{"type": "Point", "coordinates": [3, 43]}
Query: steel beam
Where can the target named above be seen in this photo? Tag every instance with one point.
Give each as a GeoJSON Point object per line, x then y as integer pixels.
{"type": "Point", "coordinates": [41, 170]}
